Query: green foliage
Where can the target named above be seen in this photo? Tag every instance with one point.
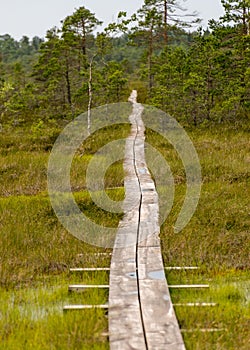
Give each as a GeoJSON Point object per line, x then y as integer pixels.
{"type": "Point", "coordinates": [173, 14]}
{"type": "Point", "coordinates": [210, 81]}
{"type": "Point", "coordinates": [12, 50]}
{"type": "Point", "coordinates": [198, 77]}
{"type": "Point", "coordinates": [201, 78]}
{"type": "Point", "coordinates": [237, 12]}
{"type": "Point", "coordinates": [79, 26]}
{"type": "Point", "coordinates": [34, 262]}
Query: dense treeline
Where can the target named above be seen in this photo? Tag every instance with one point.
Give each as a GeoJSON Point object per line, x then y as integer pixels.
{"type": "Point", "coordinates": [199, 76]}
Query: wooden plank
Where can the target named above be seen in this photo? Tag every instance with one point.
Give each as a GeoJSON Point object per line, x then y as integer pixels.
{"type": "Point", "coordinates": [195, 304]}
{"type": "Point", "coordinates": [105, 334]}
{"type": "Point", "coordinates": [83, 287]}
{"type": "Point", "coordinates": [160, 323]}
{"type": "Point", "coordinates": [102, 254]}
{"type": "Point", "coordinates": [170, 268]}
{"type": "Point", "coordinates": [125, 325]}
{"type": "Point", "coordinates": [141, 314]}
{"type": "Point", "coordinates": [189, 286]}
{"type": "Point", "coordinates": [106, 306]}
{"type": "Point", "coordinates": [159, 317]}
{"type": "Point", "coordinates": [83, 269]}
{"type": "Point", "coordinates": [96, 254]}
{"type": "Point", "coordinates": [203, 330]}
{"type": "Point", "coordinates": [84, 307]}
{"type": "Point", "coordinates": [89, 269]}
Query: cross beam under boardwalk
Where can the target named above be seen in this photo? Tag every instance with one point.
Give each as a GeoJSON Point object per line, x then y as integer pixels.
{"type": "Point", "coordinates": [141, 314]}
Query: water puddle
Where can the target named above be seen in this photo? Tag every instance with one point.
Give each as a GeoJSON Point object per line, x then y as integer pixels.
{"type": "Point", "coordinates": [157, 275]}
{"type": "Point", "coordinates": [135, 292]}
{"type": "Point", "coordinates": [142, 171]}
{"type": "Point", "coordinates": [131, 274]}
{"type": "Point", "coordinates": [166, 297]}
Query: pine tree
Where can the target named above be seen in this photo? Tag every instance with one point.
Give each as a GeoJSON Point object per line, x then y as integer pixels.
{"type": "Point", "coordinates": [54, 72]}
{"type": "Point", "coordinates": [173, 14]}
{"type": "Point", "coordinates": [79, 26]}
{"type": "Point", "coordinates": [235, 37]}
{"type": "Point", "coordinates": [146, 33]}
{"type": "Point", "coordinates": [238, 13]}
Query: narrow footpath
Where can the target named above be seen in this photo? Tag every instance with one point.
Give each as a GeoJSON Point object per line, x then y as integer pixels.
{"type": "Point", "coordinates": [141, 314]}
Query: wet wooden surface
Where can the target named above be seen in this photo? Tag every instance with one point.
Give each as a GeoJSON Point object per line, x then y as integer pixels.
{"type": "Point", "coordinates": [141, 314]}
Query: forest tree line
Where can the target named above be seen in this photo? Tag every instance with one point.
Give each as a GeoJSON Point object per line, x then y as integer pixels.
{"type": "Point", "coordinates": [195, 75]}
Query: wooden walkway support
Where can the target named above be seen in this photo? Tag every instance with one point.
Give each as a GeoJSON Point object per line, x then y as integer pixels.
{"type": "Point", "coordinates": [141, 314]}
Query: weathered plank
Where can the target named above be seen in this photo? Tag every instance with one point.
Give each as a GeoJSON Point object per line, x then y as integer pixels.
{"type": "Point", "coordinates": [95, 254]}
{"type": "Point", "coordinates": [125, 324]}
{"type": "Point", "coordinates": [141, 314]}
{"type": "Point", "coordinates": [196, 304]}
{"type": "Point", "coordinates": [84, 307]}
{"type": "Point", "coordinates": [203, 330]}
{"type": "Point", "coordinates": [106, 306]}
{"type": "Point", "coordinates": [83, 287]}
{"type": "Point", "coordinates": [189, 286]}
{"type": "Point", "coordinates": [170, 268]}
{"type": "Point", "coordinates": [89, 269]}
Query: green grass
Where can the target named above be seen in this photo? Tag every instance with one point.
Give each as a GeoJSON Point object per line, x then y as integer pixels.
{"type": "Point", "coordinates": [33, 319]}
{"type": "Point", "coordinates": [36, 252]}
{"type": "Point", "coordinates": [230, 317]}
{"type": "Point", "coordinates": [216, 239]}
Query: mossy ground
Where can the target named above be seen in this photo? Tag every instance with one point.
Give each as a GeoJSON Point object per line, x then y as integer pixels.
{"type": "Point", "coordinates": [36, 252]}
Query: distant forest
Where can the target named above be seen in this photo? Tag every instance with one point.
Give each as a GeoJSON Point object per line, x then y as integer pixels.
{"type": "Point", "coordinates": [198, 76]}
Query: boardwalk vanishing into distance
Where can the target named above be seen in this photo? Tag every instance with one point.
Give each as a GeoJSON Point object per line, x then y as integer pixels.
{"type": "Point", "coordinates": [141, 314]}
{"type": "Point", "coordinates": [140, 311]}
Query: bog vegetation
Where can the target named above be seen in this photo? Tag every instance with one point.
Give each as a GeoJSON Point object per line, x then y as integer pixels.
{"type": "Point", "coordinates": [206, 72]}
{"type": "Point", "coordinates": [200, 77]}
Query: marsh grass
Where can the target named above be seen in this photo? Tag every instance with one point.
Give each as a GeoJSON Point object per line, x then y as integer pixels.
{"type": "Point", "coordinates": [33, 243]}
{"type": "Point", "coordinates": [216, 239]}
{"type": "Point", "coordinates": [24, 158]}
{"type": "Point", "coordinates": [36, 252]}
{"type": "Point", "coordinates": [230, 290]}
{"type": "Point", "coordinates": [230, 317]}
{"type": "Point", "coordinates": [33, 319]}
{"type": "Point", "coordinates": [218, 233]}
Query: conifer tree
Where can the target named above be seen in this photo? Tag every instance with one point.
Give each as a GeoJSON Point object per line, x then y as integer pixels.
{"type": "Point", "coordinates": [173, 14]}
{"type": "Point", "coordinates": [238, 13]}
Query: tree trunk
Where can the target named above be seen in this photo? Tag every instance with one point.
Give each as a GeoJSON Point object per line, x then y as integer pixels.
{"type": "Point", "coordinates": [165, 22]}
{"type": "Point", "coordinates": [90, 83]}
{"type": "Point", "coordinates": [83, 38]}
{"type": "Point", "coordinates": [150, 55]}
{"type": "Point", "coordinates": [244, 19]}
{"type": "Point", "coordinates": [68, 85]}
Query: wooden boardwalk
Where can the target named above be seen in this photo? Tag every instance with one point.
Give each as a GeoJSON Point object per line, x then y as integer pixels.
{"type": "Point", "coordinates": [141, 314]}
